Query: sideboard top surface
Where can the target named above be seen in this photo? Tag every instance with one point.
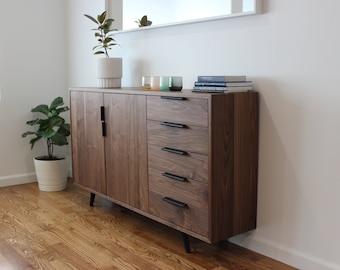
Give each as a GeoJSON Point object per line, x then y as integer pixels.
{"type": "Point", "coordinates": [140, 91]}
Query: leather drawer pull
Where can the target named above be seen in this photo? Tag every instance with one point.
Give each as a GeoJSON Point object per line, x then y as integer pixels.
{"type": "Point", "coordinates": [174, 202]}
{"type": "Point", "coordinates": [174, 151]}
{"type": "Point", "coordinates": [169, 124]}
{"type": "Point", "coordinates": [103, 129]}
{"type": "Point", "coordinates": [173, 98]}
{"type": "Point", "coordinates": [102, 119]}
{"type": "Point", "coordinates": [102, 113]}
{"type": "Point", "coordinates": [175, 177]}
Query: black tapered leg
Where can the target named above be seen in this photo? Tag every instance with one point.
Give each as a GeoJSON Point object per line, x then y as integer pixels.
{"type": "Point", "coordinates": [186, 242]}
{"type": "Point", "coordinates": [92, 196]}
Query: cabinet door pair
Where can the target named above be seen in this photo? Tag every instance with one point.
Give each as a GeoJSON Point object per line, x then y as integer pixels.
{"type": "Point", "coordinates": [114, 162]}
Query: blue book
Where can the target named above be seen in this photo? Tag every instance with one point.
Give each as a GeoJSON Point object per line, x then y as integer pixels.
{"type": "Point", "coordinates": [221, 89]}
{"type": "Point", "coordinates": [209, 83]}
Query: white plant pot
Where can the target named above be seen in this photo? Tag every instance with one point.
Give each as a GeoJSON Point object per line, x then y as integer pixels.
{"type": "Point", "coordinates": [51, 174]}
{"type": "Point", "coordinates": [110, 72]}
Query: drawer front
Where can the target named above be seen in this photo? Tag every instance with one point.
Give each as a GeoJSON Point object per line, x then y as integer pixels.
{"type": "Point", "coordinates": [180, 188]}
{"type": "Point", "coordinates": [192, 111]}
{"type": "Point", "coordinates": [179, 162]}
{"type": "Point", "coordinates": [188, 138]}
{"type": "Point", "coordinates": [188, 216]}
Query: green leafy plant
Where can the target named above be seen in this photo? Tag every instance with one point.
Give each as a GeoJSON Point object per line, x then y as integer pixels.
{"type": "Point", "coordinates": [53, 127]}
{"type": "Point", "coordinates": [103, 33]}
{"type": "Point", "coordinates": [143, 21]}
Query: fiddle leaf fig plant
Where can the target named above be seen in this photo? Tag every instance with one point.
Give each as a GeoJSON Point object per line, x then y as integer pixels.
{"type": "Point", "coordinates": [52, 127]}
{"type": "Point", "coordinates": [103, 33]}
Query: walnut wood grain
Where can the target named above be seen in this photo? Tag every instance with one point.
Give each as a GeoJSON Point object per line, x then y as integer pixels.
{"type": "Point", "coordinates": [233, 192]}
{"type": "Point", "coordinates": [189, 191]}
{"type": "Point", "coordinates": [221, 164]}
{"type": "Point", "coordinates": [191, 111]}
{"type": "Point", "coordinates": [88, 156]}
{"type": "Point", "coordinates": [246, 122]}
{"type": "Point", "coordinates": [120, 156]}
{"type": "Point", "coordinates": [191, 138]}
{"type": "Point", "coordinates": [126, 144]}
{"type": "Point", "coordinates": [190, 217]}
{"type": "Point", "coordinates": [190, 165]}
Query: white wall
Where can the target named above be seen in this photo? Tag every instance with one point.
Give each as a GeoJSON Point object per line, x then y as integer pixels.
{"type": "Point", "coordinates": [291, 52]}
{"type": "Point", "coordinates": [81, 61]}
{"type": "Point", "coordinates": [32, 71]}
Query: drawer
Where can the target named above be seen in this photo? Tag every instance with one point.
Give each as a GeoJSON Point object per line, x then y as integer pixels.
{"type": "Point", "coordinates": [188, 138]}
{"type": "Point", "coordinates": [176, 161]}
{"type": "Point", "coordinates": [186, 190]}
{"type": "Point", "coordinates": [192, 111]}
{"type": "Point", "coordinates": [188, 216]}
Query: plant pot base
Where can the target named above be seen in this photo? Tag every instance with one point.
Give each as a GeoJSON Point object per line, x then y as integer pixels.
{"type": "Point", "coordinates": [109, 72]}
{"type": "Point", "coordinates": [51, 188]}
{"type": "Point", "coordinates": [110, 83]}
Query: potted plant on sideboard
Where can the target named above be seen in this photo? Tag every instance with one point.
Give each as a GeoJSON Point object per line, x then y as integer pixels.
{"type": "Point", "coordinates": [51, 170]}
{"type": "Point", "coordinates": [109, 69]}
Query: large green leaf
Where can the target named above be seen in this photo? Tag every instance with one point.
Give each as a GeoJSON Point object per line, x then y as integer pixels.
{"type": "Point", "coordinates": [59, 139]}
{"type": "Point", "coordinates": [34, 140]}
{"type": "Point", "coordinates": [49, 133]}
{"type": "Point", "coordinates": [33, 122]}
{"type": "Point", "coordinates": [56, 121]}
{"type": "Point", "coordinates": [56, 103]}
{"type": "Point", "coordinates": [64, 129]}
{"type": "Point", "coordinates": [63, 109]}
{"type": "Point", "coordinates": [42, 109]}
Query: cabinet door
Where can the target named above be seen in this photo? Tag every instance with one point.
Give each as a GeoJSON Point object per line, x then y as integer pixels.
{"type": "Point", "coordinates": [126, 149]}
{"type": "Point", "coordinates": [87, 141]}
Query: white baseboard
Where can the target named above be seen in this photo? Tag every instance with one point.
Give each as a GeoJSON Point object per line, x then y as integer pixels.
{"type": "Point", "coordinates": [18, 179]}
{"type": "Point", "coordinates": [287, 255]}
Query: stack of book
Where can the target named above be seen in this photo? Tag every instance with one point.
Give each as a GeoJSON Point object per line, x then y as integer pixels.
{"type": "Point", "coordinates": [221, 84]}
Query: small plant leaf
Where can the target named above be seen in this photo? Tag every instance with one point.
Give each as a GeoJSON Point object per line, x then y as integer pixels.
{"type": "Point", "coordinates": [91, 18]}
{"type": "Point", "coordinates": [24, 135]}
{"type": "Point", "coordinates": [144, 20]}
{"type": "Point", "coordinates": [101, 17]}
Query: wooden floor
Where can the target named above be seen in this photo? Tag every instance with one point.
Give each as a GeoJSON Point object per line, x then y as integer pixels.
{"type": "Point", "coordinates": [59, 230]}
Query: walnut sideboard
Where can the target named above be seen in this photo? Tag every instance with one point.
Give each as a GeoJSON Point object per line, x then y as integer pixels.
{"type": "Point", "coordinates": [186, 160]}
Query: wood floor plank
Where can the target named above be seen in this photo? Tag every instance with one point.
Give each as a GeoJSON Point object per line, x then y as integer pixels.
{"type": "Point", "coordinates": [13, 258]}
{"type": "Point", "coordinates": [59, 230]}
